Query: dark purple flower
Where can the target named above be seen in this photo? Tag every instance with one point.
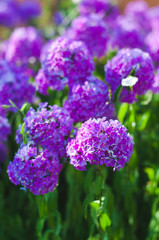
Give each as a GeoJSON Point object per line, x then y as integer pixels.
{"type": "Point", "coordinates": [5, 128]}
{"type": "Point", "coordinates": [101, 142]}
{"type": "Point", "coordinates": [29, 9]}
{"type": "Point", "coordinates": [14, 85]}
{"type": "Point", "coordinates": [35, 169]}
{"type": "Point", "coordinates": [89, 100]}
{"type": "Point", "coordinates": [9, 13]}
{"type": "Point", "coordinates": [49, 128]}
{"type": "Point", "coordinates": [24, 43]}
{"type": "Point", "coordinates": [125, 63]}
{"type": "Point", "coordinates": [93, 31]}
{"type": "Point", "coordinates": [66, 62]}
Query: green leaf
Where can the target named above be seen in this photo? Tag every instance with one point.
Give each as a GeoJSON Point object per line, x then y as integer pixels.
{"type": "Point", "coordinates": [132, 73]}
{"type": "Point", "coordinates": [117, 94]}
{"type": "Point", "coordinates": [105, 221]}
{"type": "Point", "coordinates": [87, 201]}
{"type": "Point", "coordinates": [22, 131]}
{"type": "Point", "coordinates": [13, 104]}
{"type": "Point", "coordinates": [97, 237]}
{"type": "Point", "coordinates": [122, 112]}
{"type": "Point", "coordinates": [39, 226]}
{"type": "Point", "coordinates": [95, 204]}
{"type": "Point", "coordinates": [24, 107]}
{"type": "Point", "coordinates": [6, 106]}
{"type": "Point", "coordinates": [143, 121]}
{"type": "Point", "coordinates": [111, 54]}
{"type": "Point", "coordinates": [150, 172]}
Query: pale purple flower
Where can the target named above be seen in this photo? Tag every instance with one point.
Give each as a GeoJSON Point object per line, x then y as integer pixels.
{"type": "Point", "coordinates": [139, 12]}
{"type": "Point", "coordinates": [24, 44]}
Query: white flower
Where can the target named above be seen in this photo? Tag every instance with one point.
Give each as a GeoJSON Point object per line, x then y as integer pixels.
{"type": "Point", "coordinates": [129, 81]}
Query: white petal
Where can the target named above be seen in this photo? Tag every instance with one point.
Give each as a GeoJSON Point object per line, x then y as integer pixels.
{"type": "Point", "coordinates": [129, 81]}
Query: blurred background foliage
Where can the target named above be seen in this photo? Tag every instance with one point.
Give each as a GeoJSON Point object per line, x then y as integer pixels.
{"type": "Point", "coordinates": [98, 204]}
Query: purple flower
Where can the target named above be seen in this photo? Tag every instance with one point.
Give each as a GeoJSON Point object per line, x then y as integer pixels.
{"type": "Point", "coordinates": [9, 13]}
{"type": "Point", "coordinates": [93, 31]}
{"type": "Point", "coordinates": [14, 85]}
{"type": "Point", "coordinates": [35, 169]}
{"type": "Point", "coordinates": [127, 33]}
{"type": "Point", "coordinates": [104, 8]}
{"type": "Point", "coordinates": [155, 86]}
{"type": "Point", "coordinates": [29, 9]}
{"type": "Point", "coordinates": [24, 43]}
{"type": "Point", "coordinates": [139, 12]}
{"type": "Point", "coordinates": [45, 49]}
{"type": "Point", "coordinates": [66, 62]}
{"type": "Point", "coordinates": [100, 142]}
{"type": "Point", "coordinates": [5, 128]}
{"type": "Point", "coordinates": [3, 49]}
{"type": "Point", "coordinates": [126, 62]}
{"type": "Point", "coordinates": [153, 13]}
{"type": "Point", "coordinates": [89, 100]}
{"type": "Point", "coordinates": [49, 128]}
{"type": "Point", "coordinates": [152, 43]}
{"type": "Point", "coordinates": [42, 82]}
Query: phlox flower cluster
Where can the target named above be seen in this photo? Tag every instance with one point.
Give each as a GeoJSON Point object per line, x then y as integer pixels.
{"type": "Point", "coordinates": [127, 33]}
{"type": "Point", "coordinates": [152, 43]}
{"type": "Point", "coordinates": [36, 166]}
{"type": "Point", "coordinates": [36, 170]}
{"type": "Point", "coordinates": [93, 31]}
{"type": "Point", "coordinates": [66, 62]}
{"type": "Point", "coordinates": [125, 63]}
{"type": "Point", "coordinates": [89, 99]}
{"type": "Point", "coordinates": [104, 8]}
{"type": "Point", "coordinates": [13, 12]}
{"type": "Point", "coordinates": [45, 49]}
{"type": "Point", "coordinates": [138, 11]}
{"type": "Point", "coordinates": [8, 13]}
{"type": "Point", "coordinates": [29, 10]}
{"type": "Point", "coordinates": [49, 128]}
{"type": "Point", "coordinates": [14, 85]}
{"type": "Point", "coordinates": [25, 43]}
{"type": "Point", "coordinates": [100, 142]}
